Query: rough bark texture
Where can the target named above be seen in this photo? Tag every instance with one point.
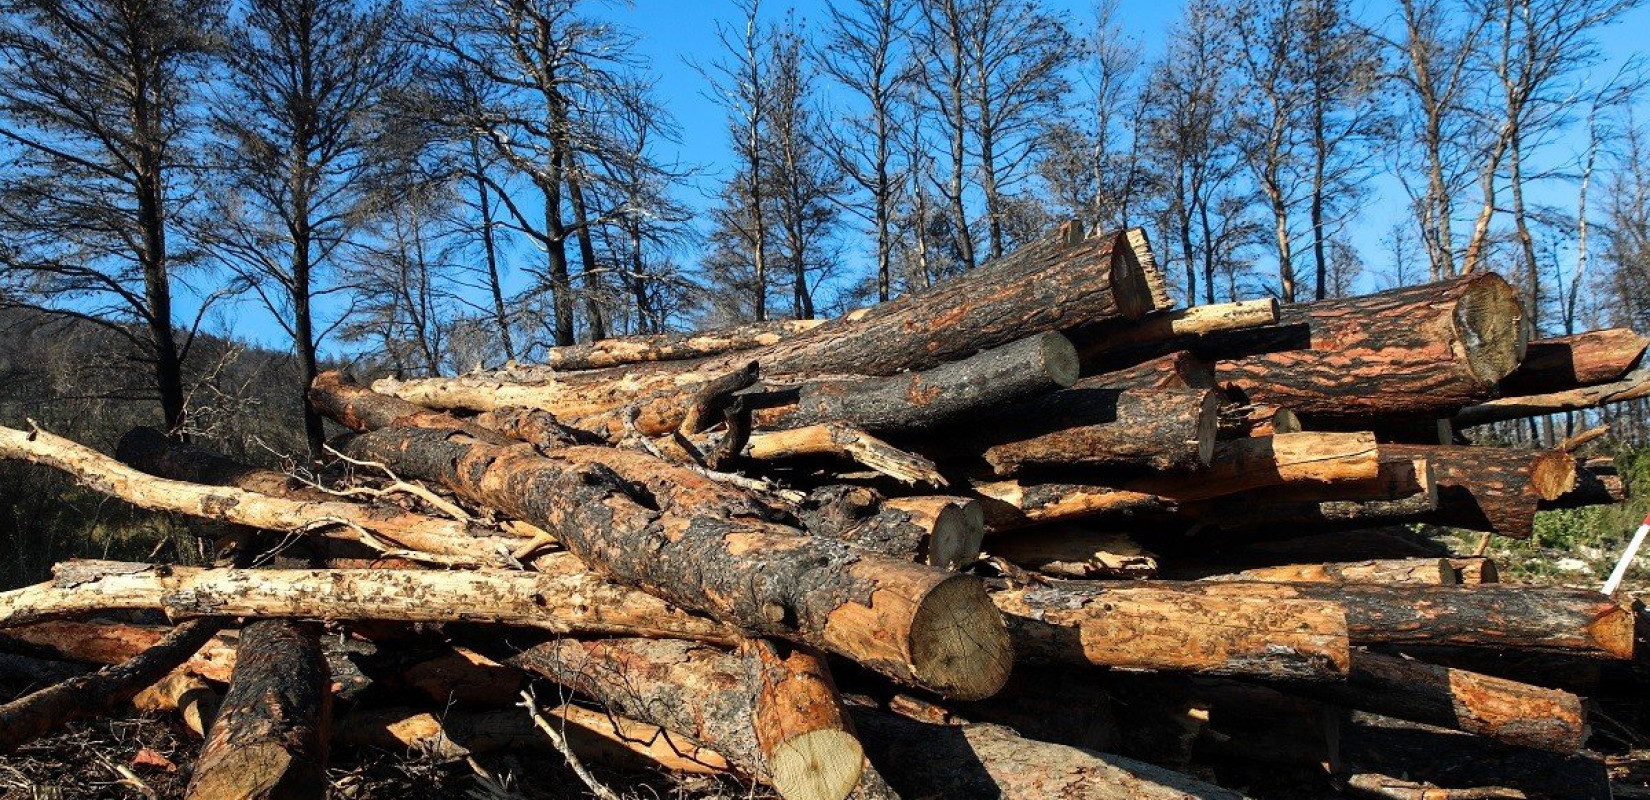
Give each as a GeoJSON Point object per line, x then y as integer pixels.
{"type": "Point", "coordinates": [1415, 352]}
{"type": "Point", "coordinates": [112, 643]}
{"type": "Point", "coordinates": [1404, 489]}
{"type": "Point", "coordinates": [622, 350]}
{"type": "Point", "coordinates": [1114, 346]}
{"type": "Point", "coordinates": [570, 600]}
{"type": "Point", "coordinates": [1632, 387]}
{"type": "Point", "coordinates": [1242, 420]}
{"type": "Point", "coordinates": [1009, 505]}
{"type": "Point", "coordinates": [958, 391]}
{"type": "Point", "coordinates": [1042, 287]}
{"type": "Point", "coordinates": [1145, 626]}
{"type": "Point", "coordinates": [707, 547]}
{"type": "Point", "coordinates": [1294, 460]}
{"type": "Point", "coordinates": [1490, 488]}
{"type": "Point", "coordinates": [34, 715]}
{"type": "Point", "coordinates": [990, 761]}
{"type": "Point", "coordinates": [1104, 429]}
{"type": "Point", "coordinates": [940, 531]}
{"type": "Point", "coordinates": [270, 737]}
{"type": "Point", "coordinates": [1400, 571]}
{"type": "Point", "coordinates": [1178, 370]}
{"type": "Point", "coordinates": [1504, 710]}
{"type": "Point", "coordinates": [1074, 551]}
{"type": "Point", "coordinates": [802, 729]}
{"type": "Point", "coordinates": [1568, 362]}
{"type": "Point", "coordinates": [846, 443]}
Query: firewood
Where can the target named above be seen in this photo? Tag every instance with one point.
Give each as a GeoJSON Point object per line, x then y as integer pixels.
{"type": "Point", "coordinates": [933, 398]}
{"type": "Point", "coordinates": [1103, 429]}
{"type": "Point", "coordinates": [1074, 551]}
{"type": "Point", "coordinates": [621, 350]}
{"type": "Point", "coordinates": [269, 739]}
{"type": "Point", "coordinates": [707, 548]}
{"type": "Point", "coordinates": [1493, 489]}
{"type": "Point", "coordinates": [1141, 625]}
{"type": "Point", "coordinates": [1113, 346]}
{"type": "Point", "coordinates": [191, 698]}
{"type": "Point", "coordinates": [34, 715]}
{"type": "Point", "coordinates": [1009, 505]}
{"type": "Point", "coordinates": [1632, 386]}
{"type": "Point", "coordinates": [802, 729]}
{"type": "Point", "coordinates": [1287, 459]}
{"type": "Point", "coordinates": [1568, 362]}
{"type": "Point", "coordinates": [573, 601]}
{"type": "Point", "coordinates": [1043, 287]}
{"type": "Point", "coordinates": [1419, 571]}
{"type": "Point", "coordinates": [1419, 352]}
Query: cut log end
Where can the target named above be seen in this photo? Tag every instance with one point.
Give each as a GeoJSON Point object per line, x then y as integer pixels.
{"type": "Point", "coordinates": [1060, 359]}
{"type": "Point", "coordinates": [818, 765]}
{"type": "Point", "coordinates": [959, 643]}
{"type": "Point", "coordinates": [1208, 427]}
{"type": "Point", "coordinates": [1553, 474]}
{"type": "Point", "coordinates": [1131, 286]}
{"type": "Point", "coordinates": [1493, 346]}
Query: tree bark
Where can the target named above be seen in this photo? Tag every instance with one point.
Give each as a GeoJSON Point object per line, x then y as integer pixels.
{"type": "Point", "coordinates": [1403, 489]}
{"type": "Point", "coordinates": [112, 643]}
{"type": "Point", "coordinates": [1283, 460]}
{"type": "Point", "coordinates": [1147, 626]}
{"type": "Point", "coordinates": [1634, 385]}
{"type": "Point", "coordinates": [1177, 370]}
{"type": "Point", "coordinates": [1493, 489]}
{"type": "Point", "coordinates": [1042, 287]}
{"type": "Point", "coordinates": [1112, 346]}
{"type": "Point", "coordinates": [939, 531]}
{"type": "Point", "coordinates": [270, 737]}
{"type": "Point", "coordinates": [847, 443]}
{"type": "Point", "coordinates": [574, 601]}
{"type": "Point", "coordinates": [1570, 362]}
{"type": "Point", "coordinates": [1103, 430]}
{"type": "Point", "coordinates": [1071, 551]}
{"type": "Point", "coordinates": [1419, 352]}
{"type": "Point", "coordinates": [707, 547]}
{"type": "Point", "coordinates": [1009, 505]}
{"type": "Point", "coordinates": [34, 715]}
{"type": "Point", "coordinates": [1388, 572]}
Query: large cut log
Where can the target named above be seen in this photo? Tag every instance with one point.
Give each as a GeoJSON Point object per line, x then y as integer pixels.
{"type": "Point", "coordinates": [775, 723]}
{"type": "Point", "coordinates": [1069, 550]}
{"type": "Point", "coordinates": [641, 349]}
{"type": "Point", "coordinates": [1507, 711]}
{"type": "Point", "coordinates": [1010, 505]}
{"type": "Point", "coordinates": [1103, 430]}
{"type": "Point", "coordinates": [1177, 370]}
{"type": "Point", "coordinates": [1419, 352]}
{"type": "Point", "coordinates": [567, 600]}
{"type": "Point", "coordinates": [1570, 362]}
{"type": "Point", "coordinates": [269, 740]}
{"type": "Point", "coordinates": [1551, 619]}
{"type": "Point", "coordinates": [1139, 625]}
{"type": "Point", "coordinates": [1404, 489]}
{"type": "Point", "coordinates": [398, 534]}
{"type": "Point", "coordinates": [1286, 460]}
{"type": "Point", "coordinates": [920, 401]}
{"type": "Point", "coordinates": [980, 760]}
{"type": "Point", "coordinates": [34, 715]}
{"type": "Point", "coordinates": [1043, 287]}
{"type": "Point", "coordinates": [1634, 385]}
{"type": "Point", "coordinates": [1112, 346]}
{"type": "Point", "coordinates": [707, 547]}
{"type": "Point", "coordinates": [602, 737]}
{"type": "Point", "coordinates": [1419, 571]}
{"type": "Point", "coordinates": [1492, 489]}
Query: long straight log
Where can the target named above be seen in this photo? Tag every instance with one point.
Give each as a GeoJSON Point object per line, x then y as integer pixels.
{"type": "Point", "coordinates": [1287, 459]}
{"type": "Point", "coordinates": [1142, 626]}
{"type": "Point", "coordinates": [706, 547]}
{"type": "Point", "coordinates": [34, 715]}
{"type": "Point", "coordinates": [1634, 385]}
{"type": "Point", "coordinates": [1051, 285]}
{"type": "Point", "coordinates": [269, 739]}
{"type": "Point", "coordinates": [574, 601]}
{"type": "Point", "coordinates": [1104, 429]}
{"type": "Point", "coordinates": [1492, 489]}
{"type": "Point", "coordinates": [1404, 489]}
{"type": "Point", "coordinates": [1113, 346]}
{"type": "Point", "coordinates": [622, 350]}
{"type": "Point", "coordinates": [1400, 571]}
{"type": "Point", "coordinates": [113, 642]}
{"type": "Point", "coordinates": [1582, 359]}
{"type": "Point", "coordinates": [1411, 353]}
{"type": "Point", "coordinates": [1177, 370]}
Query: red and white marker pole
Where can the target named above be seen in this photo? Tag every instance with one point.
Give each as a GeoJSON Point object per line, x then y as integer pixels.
{"type": "Point", "coordinates": [1626, 561]}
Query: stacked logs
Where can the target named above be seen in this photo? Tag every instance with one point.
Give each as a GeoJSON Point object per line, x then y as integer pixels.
{"type": "Point", "coordinates": [1027, 533]}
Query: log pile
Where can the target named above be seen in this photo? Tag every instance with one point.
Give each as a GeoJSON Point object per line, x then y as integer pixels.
{"type": "Point", "coordinates": [1029, 533]}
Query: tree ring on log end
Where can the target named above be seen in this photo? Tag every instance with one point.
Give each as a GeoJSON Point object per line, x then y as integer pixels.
{"type": "Point", "coordinates": [1060, 360]}
{"type": "Point", "coordinates": [1130, 288]}
{"type": "Point", "coordinates": [959, 642]}
{"type": "Point", "coordinates": [823, 764]}
{"type": "Point", "coordinates": [1208, 427]}
{"type": "Point", "coordinates": [1492, 326]}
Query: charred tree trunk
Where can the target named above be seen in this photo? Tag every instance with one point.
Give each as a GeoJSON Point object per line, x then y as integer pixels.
{"type": "Point", "coordinates": [1571, 362]}
{"type": "Point", "coordinates": [1113, 346]}
{"type": "Point", "coordinates": [1103, 430]}
{"type": "Point", "coordinates": [1490, 488]}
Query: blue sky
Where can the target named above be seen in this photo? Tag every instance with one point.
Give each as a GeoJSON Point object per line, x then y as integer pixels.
{"type": "Point", "coordinates": [673, 36]}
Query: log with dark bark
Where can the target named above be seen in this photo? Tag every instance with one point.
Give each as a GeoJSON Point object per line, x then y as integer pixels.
{"type": "Point", "coordinates": [641, 349]}
{"type": "Point", "coordinates": [958, 391]}
{"type": "Point", "coordinates": [1634, 385]}
{"type": "Point", "coordinates": [1047, 286]}
{"type": "Point", "coordinates": [1242, 420]}
{"type": "Point", "coordinates": [1177, 370]}
{"type": "Point", "coordinates": [565, 599]}
{"type": "Point", "coordinates": [1295, 460]}
{"type": "Point", "coordinates": [1141, 625]}
{"type": "Point", "coordinates": [270, 737]}
{"type": "Point", "coordinates": [1597, 484]}
{"type": "Point", "coordinates": [34, 715]}
{"type": "Point", "coordinates": [940, 531]}
{"type": "Point", "coordinates": [1070, 550]}
{"type": "Point", "coordinates": [1104, 430]}
{"type": "Point", "coordinates": [1455, 762]}
{"type": "Point", "coordinates": [1419, 352]}
{"type": "Point", "coordinates": [1404, 489]}
{"type": "Point", "coordinates": [705, 546]}
{"type": "Point", "coordinates": [1010, 505]}
{"type": "Point", "coordinates": [1113, 346]}
{"type": "Point", "coordinates": [1570, 362]}
{"type": "Point", "coordinates": [1492, 489]}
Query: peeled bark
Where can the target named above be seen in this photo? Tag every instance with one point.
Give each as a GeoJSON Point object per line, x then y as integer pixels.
{"type": "Point", "coordinates": [1145, 626]}
{"type": "Point", "coordinates": [802, 729]}
{"type": "Point", "coordinates": [1633, 386]}
{"type": "Point", "coordinates": [34, 715]}
{"type": "Point", "coordinates": [1071, 551]}
{"type": "Point", "coordinates": [1043, 287]}
{"type": "Point", "coordinates": [848, 443]}
{"type": "Point", "coordinates": [1294, 460]}
{"type": "Point", "coordinates": [958, 391]}
{"type": "Point", "coordinates": [1419, 352]}
{"type": "Point", "coordinates": [1009, 505]}
{"type": "Point", "coordinates": [270, 737]}
{"type": "Point", "coordinates": [1407, 571]}
{"type": "Point", "coordinates": [1104, 429]}
{"type": "Point", "coordinates": [705, 546]}
{"type": "Point", "coordinates": [112, 643]}
{"type": "Point", "coordinates": [1583, 359]}
{"type": "Point", "coordinates": [621, 350]}
{"type": "Point", "coordinates": [574, 601]}
{"type": "Point", "coordinates": [1493, 489]}
{"type": "Point", "coordinates": [1115, 346]}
